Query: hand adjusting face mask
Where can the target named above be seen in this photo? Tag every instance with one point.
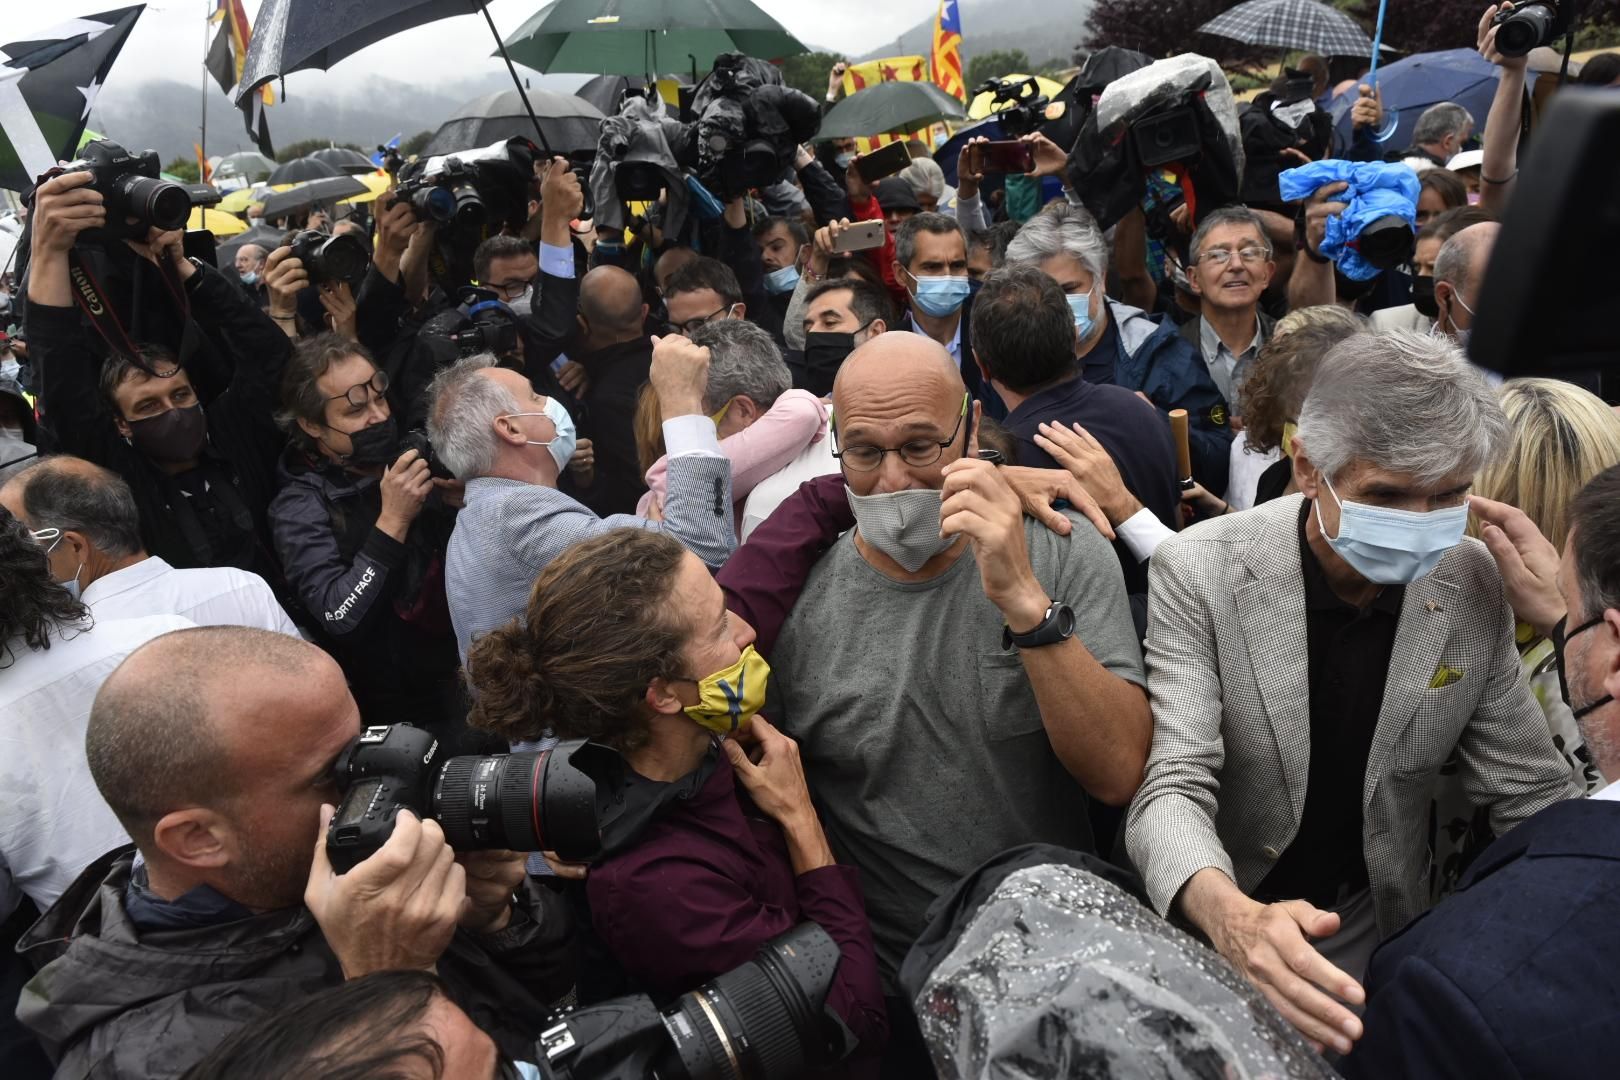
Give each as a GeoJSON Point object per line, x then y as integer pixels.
{"type": "Point", "coordinates": [1392, 547]}
{"type": "Point", "coordinates": [904, 525]}
{"type": "Point", "coordinates": [729, 699]}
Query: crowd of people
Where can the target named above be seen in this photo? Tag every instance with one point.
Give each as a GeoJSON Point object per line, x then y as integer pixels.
{"type": "Point", "coordinates": [855, 569]}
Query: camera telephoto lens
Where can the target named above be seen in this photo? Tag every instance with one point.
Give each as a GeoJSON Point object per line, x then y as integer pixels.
{"type": "Point", "coordinates": [433, 204]}
{"type": "Point", "coordinates": [520, 802]}
{"type": "Point", "coordinates": [161, 203]}
{"type": "Point", "coordinates": [470, 209]}
{"type": "Point", "coordinates": [1524, 29]}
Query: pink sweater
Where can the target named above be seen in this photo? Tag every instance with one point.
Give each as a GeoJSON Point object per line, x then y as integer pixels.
{"type": "Point", "coordinates": [797, 420]}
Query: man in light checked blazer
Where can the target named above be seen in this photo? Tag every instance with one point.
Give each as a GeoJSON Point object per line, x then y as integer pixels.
{"type": "Point", "coordinates": [1313, 662]}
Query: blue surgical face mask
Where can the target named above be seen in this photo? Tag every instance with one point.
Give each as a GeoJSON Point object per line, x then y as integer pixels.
{"type": "Point", "coordinates": [781, 281]}
{"type": "Point", "coordinates": [1393, 547]}
{"type": "Point", "coordinates": [845, 159]}
{"type": "Point", "coordinates": [562, 447]}
{"type": "Point", "coordinates": [74, 589]}
{"type": "Point", "coordinates": [1080, 304]}
{"type": "Point", "coordinates": [939, 296]}
{"type": "Point", "coordinates": [250, 278]}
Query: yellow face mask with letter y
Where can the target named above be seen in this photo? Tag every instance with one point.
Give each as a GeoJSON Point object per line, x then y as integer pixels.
{"type": "Point", "coordinates": [728, 699]}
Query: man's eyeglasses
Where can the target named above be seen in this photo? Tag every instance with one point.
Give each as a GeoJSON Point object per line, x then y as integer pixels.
{"type": "Point", "coordinates": [511, 290]}
{"type": "Point", "coordinates": [690, 325]}
{"type": "Point", "coordinates": [918, 453]}
{"type": "Point", "coordinates": [1222, 256]}
{"type": "Point", "coordinates": [361, 394]}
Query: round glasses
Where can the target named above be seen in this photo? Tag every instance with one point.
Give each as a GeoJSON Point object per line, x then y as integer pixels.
{"type": "Point", "coordinates": [361, 394]}
{"type": "Point", "coordinates": [919, 453]}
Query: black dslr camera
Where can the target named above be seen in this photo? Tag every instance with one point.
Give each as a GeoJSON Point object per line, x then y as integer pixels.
{"type": "Point", "coordinates": [331, 258]}
{"type": "Point", "coordinates": [428, 200]}
{"type": "Point", "coordinates": [765, 1019]}
{"type": "Point", "coordinates": [135, 196]}
{"type": "Point", "coordinates": [517, 802]}
{"type": "Point", "coordinates": [418, 440]}
{"type": "Point", "coordinates": [1532, 24]}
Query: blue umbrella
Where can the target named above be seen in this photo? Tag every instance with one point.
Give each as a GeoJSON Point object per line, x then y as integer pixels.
{"type": "Point", "coordinates": [1413, 84]}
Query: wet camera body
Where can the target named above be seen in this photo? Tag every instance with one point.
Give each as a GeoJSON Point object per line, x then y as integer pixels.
{"type": "Point", "coordinates": [1018, 105]}
{"type": "Point", "coordinates": [418, 440]}
{"type": "Point", "coordinates": [518, 802]}
{"type": "Point", "coordinates": [135, 196]}
{"type": "Point", "coordinates": [331, 258]}
{"type": "Point", "coordinates": [1532, 24]}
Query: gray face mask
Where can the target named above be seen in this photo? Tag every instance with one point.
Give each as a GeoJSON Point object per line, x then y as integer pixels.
{"type": "Point", "coordinates": [904, 525]}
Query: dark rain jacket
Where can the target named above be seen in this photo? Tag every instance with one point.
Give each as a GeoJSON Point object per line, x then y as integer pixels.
{"type": "Point", "coordinates": [111, 1002]}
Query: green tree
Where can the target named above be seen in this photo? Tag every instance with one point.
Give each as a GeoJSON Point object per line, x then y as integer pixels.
{"type": "Point", "coordinates": [995, 64]}
{"type": "Point", "coordinates": [414, 144]}
{"type": "Point", "coordinates": [808, 72]}
{"type": "Point", "coordinates": [304, 147]}
{"type": "Point", "coordinates": [185, 168]}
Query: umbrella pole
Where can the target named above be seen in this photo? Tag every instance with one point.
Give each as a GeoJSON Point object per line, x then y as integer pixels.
{"type": "Point", "coordinates": [501, 45]}
{"type": "Point", "coordinates": [1378, 42]}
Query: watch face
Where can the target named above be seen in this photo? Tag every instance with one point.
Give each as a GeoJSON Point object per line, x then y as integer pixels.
{"type": "Point", "coordinates": [1065, 620]}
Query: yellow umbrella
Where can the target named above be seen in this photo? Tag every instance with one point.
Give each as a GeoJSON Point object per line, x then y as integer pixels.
{"type": "Point", "coordinates": [376, 183]}
{"type": "Point", "coordinates": [980, 107]}
{"type": "Point", "coordinates": [216, 221]}
{"type": "Point", "coordinates": [236, 201]}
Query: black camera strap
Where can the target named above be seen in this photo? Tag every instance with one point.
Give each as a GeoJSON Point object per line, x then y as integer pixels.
{"type": "Point", "coordinates": [91, 298]}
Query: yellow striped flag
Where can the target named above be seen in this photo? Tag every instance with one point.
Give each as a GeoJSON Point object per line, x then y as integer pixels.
{"type": "Point", "coordinates": [858, 77]}
{"type": "Point", "coordinates": [947, 56]}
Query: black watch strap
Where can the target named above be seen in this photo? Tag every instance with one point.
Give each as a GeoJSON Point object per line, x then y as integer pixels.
{"type": "Point", "coordinates": [1058, 625]}
{"type": "Point", "coordinates": [1302, 241]}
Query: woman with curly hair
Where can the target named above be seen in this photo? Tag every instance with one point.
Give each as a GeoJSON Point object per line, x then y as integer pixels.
{"type": "Point", "coordinates": [53, 659]}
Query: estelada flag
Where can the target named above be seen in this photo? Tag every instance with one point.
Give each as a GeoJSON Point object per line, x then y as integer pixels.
{"type": "Point", "coordinates": [858, 77]}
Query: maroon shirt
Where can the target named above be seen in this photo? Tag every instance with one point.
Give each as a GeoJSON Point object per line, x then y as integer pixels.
{"type": "Point", "coordinates": [708, 882]}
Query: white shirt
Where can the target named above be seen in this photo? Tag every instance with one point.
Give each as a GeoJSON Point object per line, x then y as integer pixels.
{"type": "Point", "coordinates": [54, 822]}
{"type": "Point", "coordinates": [211, 596]}
{"type": "Point", "coordinates": [813, 461]}
{"type": "Point", "coordinates": [1611, 793]}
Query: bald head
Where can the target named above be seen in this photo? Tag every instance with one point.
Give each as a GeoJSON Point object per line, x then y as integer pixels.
{"type": "Point", "coordinates": [610, 305]}
{"type": "Point", "coordinates": [168, 723]}
{"type": "Point", "coordinates": [1463, 259]}
{"type": "Point", "coordinates": [898, 389]}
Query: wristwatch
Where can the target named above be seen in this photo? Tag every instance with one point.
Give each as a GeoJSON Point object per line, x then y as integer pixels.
{"type": "Point", "coordinates": [1302, 242]}
{"type": "Point", "coordinates": [1057, 625]}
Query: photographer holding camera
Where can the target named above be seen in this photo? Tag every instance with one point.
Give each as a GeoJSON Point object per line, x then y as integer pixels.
{"type": "Point", "coordinates": [202, 467]}
{"type": "Point", "coordinates": [361, 525]}
{"type": "Point", "coordinates": [215, 748]}
{"type": "Point", "coordinates": [710, 843]}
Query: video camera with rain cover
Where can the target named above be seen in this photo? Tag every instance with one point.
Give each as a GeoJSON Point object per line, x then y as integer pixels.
{"type": "Point", "coordinates": [536, 801]}
{"type": "Point", "coordinates": [1017, 104]}
{"type": "Point", "coordinates": [749, 125]}
{"type": "Point", "coordinates": [764, 1020]}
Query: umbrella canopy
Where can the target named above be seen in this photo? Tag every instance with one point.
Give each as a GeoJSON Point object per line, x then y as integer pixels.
{"type": "Point", "coordinates": [641, 37]}
{"type": "Point", "coordinates": [292, 35]}
{"type": "Point", "coordinates": [1413, 83]}
{"type": "Point", "coordinates": [325, 190]}
{"type": "Point", "coordinates": [570, 123]}
{"type": "Point", "coordinates": [889, 106]}
{"type": "Point", "coordinates": [376, 183]}
{"type": "Point", "coordinates": [1292, 24]}
{"type": "Point", "coordinates": [1109, 63]}
{"type": "Point", "coordinates": [985, 104]}
{"type": "Point", "coordinates": [344, 160]}
{"type": "Point", "coordinates": [250, 165]}
{"type": "Point", "coordinates": [216, 222]}
{"type": "Point", "coordinates": [301, 169]}
{"type": "Point", "coordinates": [263, 235]}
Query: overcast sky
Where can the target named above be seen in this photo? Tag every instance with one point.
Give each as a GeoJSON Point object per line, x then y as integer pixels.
{"type": "Point", "coordinates": [168, 41]}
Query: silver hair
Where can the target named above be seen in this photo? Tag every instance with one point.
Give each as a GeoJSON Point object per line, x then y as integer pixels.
{"type": "Point", "coordinates": [924, 175]}
{"type": "Point", "coordinates": [1438, 121]}
{"type": "Point", "coordinates": [462, 409]}
{"type": "Point", "coordinates": [1227, 215]}
{"type": "Point", "coordinates": [94, 502]}
{"type": "Point", "coordinates": [1404, 402]}
{"type": "Point", "coordinates": [1061, 229]}
{"type": "Point", "coordinates": [742, 360]}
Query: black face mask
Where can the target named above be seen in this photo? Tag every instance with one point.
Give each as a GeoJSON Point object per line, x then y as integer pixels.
{"type": "Point", "coordinates": [172, 436]}
{"type": "Point", "coordinates": [375, 444]}
{"type": "Point", "coordinates": [1423, 297]}
{"type": "Point", "coordinates": [825, 352]}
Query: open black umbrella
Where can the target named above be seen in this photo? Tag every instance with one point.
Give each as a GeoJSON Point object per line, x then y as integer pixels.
{"type": "Point", "coordinates": [263, 235]}
{"type": "Point", "coordinates": [570, 123]}
{"type": "Point", "coordinates": [328, 189]}
{"type": "Point", "coordinates": [889, 106]}
{"type": "Point", "coordinates": [293, 35]}
{"type": "Point", "coordinates": [607, 92]}
{"type": "Point", "coordinates": [250, 165]}
{"type": "Point", "coordinates": [345, 160]}
{"type": "Point", "coordinates": [298, 170]}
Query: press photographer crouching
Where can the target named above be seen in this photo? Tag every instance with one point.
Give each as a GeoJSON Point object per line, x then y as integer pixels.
{"type": "Point", "coordinates": [196, 445]}
{"type": "Point", "coordinates": [215, 748]}
{"type": "Point", "coordinates": [361, 525]}
{"type": "Point", "coordinates": [710, 844]}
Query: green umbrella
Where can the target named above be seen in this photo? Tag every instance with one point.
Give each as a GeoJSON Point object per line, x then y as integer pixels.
{"type": "Point", "coordinates": [889, 107]}
{"type": "Point", "coordinates": [635, 37]}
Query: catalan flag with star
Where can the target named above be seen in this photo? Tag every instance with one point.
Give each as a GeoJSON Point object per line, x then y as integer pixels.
{"type": "Point", "coordinates": [48, 82]}
{"type": "Point", "coordinates": [946, 59]}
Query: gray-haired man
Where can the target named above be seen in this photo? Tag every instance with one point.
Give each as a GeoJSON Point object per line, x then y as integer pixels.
{"type": "Point", "coordinates": [1314, 662]}
{"type": "Point", "coordinates": [509, 442]}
